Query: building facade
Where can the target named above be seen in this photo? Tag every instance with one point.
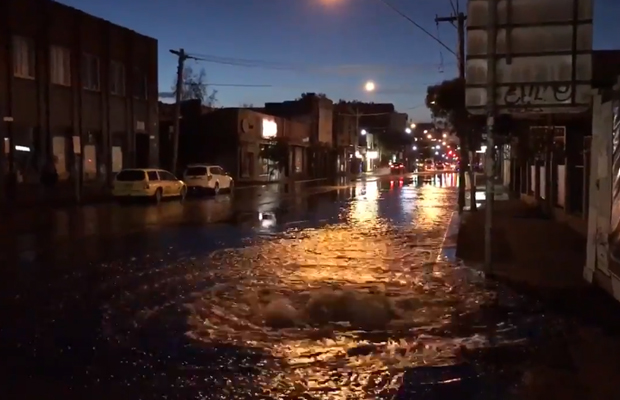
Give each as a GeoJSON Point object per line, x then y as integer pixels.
{"type": "Point", "coordinates": [315, 111]}
{"type": "Point", "coordinates": [345, 139]}
{"type": "Point", "coordinates": [76, 92]}
{"type": "Point", "coordinates": [236, 139]}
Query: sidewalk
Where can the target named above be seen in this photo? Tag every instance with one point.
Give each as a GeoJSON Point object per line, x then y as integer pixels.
{"type": "Point", "coordinates": [544, 259]}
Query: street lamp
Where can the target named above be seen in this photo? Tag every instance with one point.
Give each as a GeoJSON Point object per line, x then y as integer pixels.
{"type": "Point", "coordinates": [369, 86]}
{"type": "Point", "coordinates": [412, 126]}
{"type": "Point", "coordinates": [429, 135]}
{"type": "Point", "coordinates": [445, 135]}
{"type": "Point", "coordinates": [426, 131]}
{"type": "Point", "coordinates": [414, 147]}
{"type": "Point", "coordinates": [363, 132]}
{"type": "Point", "coordinates": [407, 130]}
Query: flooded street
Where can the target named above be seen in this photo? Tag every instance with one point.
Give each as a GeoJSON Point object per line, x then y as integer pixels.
{"type": "Point", "coordinates": [341, 293]}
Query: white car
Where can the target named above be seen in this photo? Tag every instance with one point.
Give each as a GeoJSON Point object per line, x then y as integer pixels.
{"type": "Point", "coordinates": [207, 178]}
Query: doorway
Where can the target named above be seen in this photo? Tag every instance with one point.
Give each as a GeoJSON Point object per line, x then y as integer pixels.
{"type": "Point", "coordinates": [143, 150]}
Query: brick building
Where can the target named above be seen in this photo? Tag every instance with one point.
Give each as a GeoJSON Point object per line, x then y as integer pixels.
{"type": "Point", "coordinates": [75, 90]}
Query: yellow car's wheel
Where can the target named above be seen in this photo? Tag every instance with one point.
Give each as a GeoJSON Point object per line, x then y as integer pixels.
{"type": "Point", "coordinates": [158, 196]}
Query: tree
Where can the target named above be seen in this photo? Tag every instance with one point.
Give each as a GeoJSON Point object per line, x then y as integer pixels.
{"type": "Point", "coordinates": [195, 87]}
{"type": "Point", "coordinates": [446, 101]}
{"type": "Point", "coordinates": [277, 151]}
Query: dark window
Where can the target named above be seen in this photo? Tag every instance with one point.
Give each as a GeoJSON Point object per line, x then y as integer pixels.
{"type": "Point", "coordinates": [167, 176]}
{"type": "Point", "coordinates": [216, 171]}
{"type": "Point", "coordinates": [23, 57]}
{"type": "Point", "coordinates": [196, 171]}
{"type": "Point", "coordinates": [90, 72]}
{"type": "Point", "coordinates": [117, 78]}
{"type": "Point", "coordinates": [130, 175]}
{"type": "Point", "coordinates": [152, 176]}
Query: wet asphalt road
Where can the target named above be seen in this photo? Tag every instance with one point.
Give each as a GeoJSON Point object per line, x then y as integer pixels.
{"type": "Point", "coordinates": [312, 293]}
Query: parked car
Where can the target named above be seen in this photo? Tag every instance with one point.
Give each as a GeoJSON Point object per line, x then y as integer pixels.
{"type": "Point", "coordinates": [155, 184]}
{"type": "Point", "coordinates": [429, 164]}
{"type": "Point", "coordinates": [201, 178]}
{"type": "Point", "coordinates": [397, 168]}
{"type": "Point", "coordinates": [439, 166]}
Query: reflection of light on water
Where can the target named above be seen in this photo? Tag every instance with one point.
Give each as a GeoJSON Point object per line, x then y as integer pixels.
{"type": "Point", "coordinates": [428, 203]}
{"type": "Point", "coordinates": [365, 207]}
{"type": "Point", "coordinates": [267, 220]}
{"type": "Point", "coordinates": [383, 281]}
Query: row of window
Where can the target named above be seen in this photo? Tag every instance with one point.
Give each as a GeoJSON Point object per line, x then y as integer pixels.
{"type": "Point", "coordinates": [60, 69]}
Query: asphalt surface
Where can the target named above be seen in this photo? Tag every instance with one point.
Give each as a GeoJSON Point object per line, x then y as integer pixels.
{"type": "Point", "coordinates": [336, 292]}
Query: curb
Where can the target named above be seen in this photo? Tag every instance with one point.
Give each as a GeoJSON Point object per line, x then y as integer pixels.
{"type": "Point", "coordinates": [447, 250]}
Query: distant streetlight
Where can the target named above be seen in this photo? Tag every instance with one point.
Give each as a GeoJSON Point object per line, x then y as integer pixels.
{"type": "Point", "coordinates": [369, 86]}
{"type": "Point", "coordinates": [363, 132]}
{"type": "Point", "coordinates": [429, 136]}
{"type": "Point", "coordinates": [444, 143]}
{"type": "Point", "coordinates": [412, 126]}
{"type": "Point", "coordinates": [436, 153]}
{"type": "Point", "coordinates": [425, 131]}
{"type": "Point", "coordinates": [415, 147]}
{"type": "Point", "coordinates": [407, 130]}
{"type": "Point", "coordinates": [445, 135]}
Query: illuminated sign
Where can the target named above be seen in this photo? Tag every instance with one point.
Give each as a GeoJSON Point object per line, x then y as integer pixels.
{"type": "Point", "coordinates": [270, 129]}
{"type": "Point", "coordinates": [372, 155]}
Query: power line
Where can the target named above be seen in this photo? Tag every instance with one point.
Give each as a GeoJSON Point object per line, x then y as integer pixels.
{"type": "Point", "coordinates": [405, 16]}
{"type": "Point", "coordinates": [336, 69]}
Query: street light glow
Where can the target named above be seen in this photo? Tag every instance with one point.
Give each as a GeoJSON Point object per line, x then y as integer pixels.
{"type": "Point", "coordinates": [363, 132]}
{"type": "Point", "coordinates": [407, 130]}
{"type": "Point", "coordinates": [426, 131]}
{"type": "Point", "coordinates": [445, 135]}
{"type": "Point", "coordinates": [412, 126]}
{"type": "Point", "coordinates": [429, 135]}
{"type": "Point", "coordinates": [369, 86]}
{"type": "Point", "coordinates": [415, 147]}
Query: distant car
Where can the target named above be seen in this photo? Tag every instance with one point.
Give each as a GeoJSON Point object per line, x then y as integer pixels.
{"type": "Point", "coordinates": [155, 184]}
{"type": "Point", "coordinates": [207, 178]}
{"type": "Point", "coordinates": [397, 168]}
{"type": "Point", "coordinates": [429, 164]}
{"type": "Point", "coordinates": [439, 166]}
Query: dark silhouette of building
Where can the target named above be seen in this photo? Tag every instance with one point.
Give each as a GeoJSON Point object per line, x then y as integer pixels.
{"type": "Point", "coordinates": [235, 138]}
{"type": "Point", "coordinates": [76, 91]}
{"type": "Point", "coordinates": [317, 112]}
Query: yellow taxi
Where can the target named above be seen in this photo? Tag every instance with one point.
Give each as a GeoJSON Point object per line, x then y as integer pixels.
{"type": "Point", "coordinates": [155, 184]}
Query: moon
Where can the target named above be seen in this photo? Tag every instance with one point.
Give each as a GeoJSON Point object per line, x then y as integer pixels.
{"type": "Point", "coordinates": [369, 86]}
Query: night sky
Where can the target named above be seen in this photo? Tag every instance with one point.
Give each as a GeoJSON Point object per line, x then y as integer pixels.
{"type": "Point", "coordinates": [326, 46]}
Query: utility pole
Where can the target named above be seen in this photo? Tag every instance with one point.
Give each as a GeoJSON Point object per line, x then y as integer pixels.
{"type": "Point", "coordinates": [460, 19]}
{"type": "Point", "coordinates": [177, 107]}
{"type": "Point", "coordinates": [491, 112]}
